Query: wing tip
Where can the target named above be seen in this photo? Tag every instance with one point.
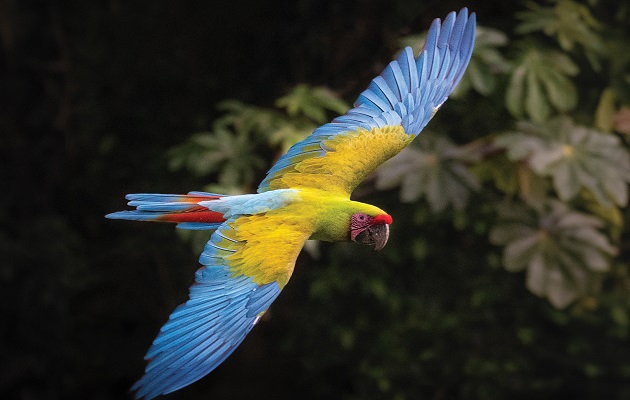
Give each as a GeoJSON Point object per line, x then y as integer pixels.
{"type": "Point", "coordinates": [415, 84]}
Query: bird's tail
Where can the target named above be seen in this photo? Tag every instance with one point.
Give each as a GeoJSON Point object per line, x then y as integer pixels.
{"type": "Point", "coordinates": [183, 209]}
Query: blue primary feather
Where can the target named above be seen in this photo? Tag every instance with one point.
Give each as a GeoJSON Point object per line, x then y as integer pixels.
{"type": "Point", "coordinates": [131, 215]}
{"type": "Point", "coordinates": [198, 226]}
{"type": "Point", "coordinates": [408, 92]}
{"type": "Point", "coordinates": [166, 198]}
{"type": "Point", "coordinates": [222, 308]}
{"type": "Point", "coordinates": [204, 331]}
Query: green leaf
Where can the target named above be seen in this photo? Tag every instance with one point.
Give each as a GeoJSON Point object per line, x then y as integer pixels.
{"type": "Point", "coordinates": [481, 81]}
{"type": "Point", "coordinates": [501, 171]}
{"type": "Point", "coordinates": [486, 63]}
{"type": "Point", "coordinates": [229, 148]}
{"type": "Point", "coordinates": [566, 180]}
{"type": "Point", "coordinates": [561, 250]}
{"type": "Point", "coordinates": [540, 81]}
{"type": "Point", "coordinates": [435, 168]}
{"type": "Point", "coordinates": [515, 92]}
{"type": "Point", "coordinates": [605, 112]}
{"type": "Point", "coordinates": [311, 102]}
{"type": "Point", "coordinates": [533, 188]}
{"type": "Point", "coordinates": [574, 157]}
{"type": "Point", "coordinates": [535, 104]}
{"type": "Point", "coordinates": [289, 133]}
{"type": "Point", "coordinates": [570, 23]}
{"type": "Point", "coordinates": [519, 252]}
{"type": "Point", "coordinates": [560, 90]}
{"type": "Point", "coordinates": [620, 316]}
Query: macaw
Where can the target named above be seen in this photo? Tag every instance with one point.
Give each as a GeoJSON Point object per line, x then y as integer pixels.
{"type": "Point", "coordinates": [256, 238]}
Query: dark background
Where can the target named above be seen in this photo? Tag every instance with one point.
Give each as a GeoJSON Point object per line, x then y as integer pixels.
{"type": "Point", "coordinates": [94, 93]}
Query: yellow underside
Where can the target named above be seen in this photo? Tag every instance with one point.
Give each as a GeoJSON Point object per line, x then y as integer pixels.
{"type": "Point", "coordinates": [266, 245]}
{"type": "Point", "coordinates": [351, 157]}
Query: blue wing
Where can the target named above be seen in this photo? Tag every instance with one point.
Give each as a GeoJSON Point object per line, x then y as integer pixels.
{"type": "Point", "coordinates": [200, 334]}
{"type": "Point", "coordinates": [240, 279]}
{"type": "Point", "coordinates": [407, 93]}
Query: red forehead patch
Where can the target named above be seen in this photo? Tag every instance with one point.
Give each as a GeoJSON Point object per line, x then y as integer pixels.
{"type": "Point", "coordinates": [382, 219]}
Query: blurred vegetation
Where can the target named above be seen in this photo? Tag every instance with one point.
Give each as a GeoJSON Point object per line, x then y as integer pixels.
{"type": "Point", "coordinates": [506, 273]}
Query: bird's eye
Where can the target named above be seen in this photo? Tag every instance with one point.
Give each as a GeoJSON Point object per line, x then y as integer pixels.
{"type": "Point", "coordinates": [361, 217]}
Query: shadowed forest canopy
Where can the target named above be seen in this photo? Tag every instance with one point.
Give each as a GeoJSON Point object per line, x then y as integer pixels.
{"type": "Point", "coordinates": [506, 273]}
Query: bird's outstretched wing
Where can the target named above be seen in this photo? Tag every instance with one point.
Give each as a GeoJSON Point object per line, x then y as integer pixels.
{"type": "Point", "coordinates": [387, 116]}
{"type": "Point", "coordinates": [247, 262]}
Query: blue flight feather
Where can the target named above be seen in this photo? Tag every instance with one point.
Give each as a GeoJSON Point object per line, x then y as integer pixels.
{"type": "Point", "coordinates": [205, 330]}
{"type": "Point", "coordinates": [198, 226]}
{"type": "Point", "coordinates": [408, 92]}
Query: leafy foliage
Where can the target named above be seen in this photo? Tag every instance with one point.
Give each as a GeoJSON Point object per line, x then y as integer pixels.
{"type": "Point", "coordinates": [228, 149]}
{"type": "Point", "coordinates": [575, 157]}
{"type": "Point", "coordinates": [306, 108]}
{"type": "Point", "coordinates": [569, 22]}
{"type": "Point", "coordinates": [540, 80]}
{"type": "Point", "coordinates": [312, 103]}
{"type": "Point", "coordinates": [486, 64]}
{"type": "Point", "coordinates": [435, 168]}
{"type": "Point", "coordinates": [564, 251]}
{"type": "Point", "coordinates": [231, 149]}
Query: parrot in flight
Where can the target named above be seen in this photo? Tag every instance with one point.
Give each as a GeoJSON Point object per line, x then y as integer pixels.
{"type": "Point", "coordinates": [256, 238]}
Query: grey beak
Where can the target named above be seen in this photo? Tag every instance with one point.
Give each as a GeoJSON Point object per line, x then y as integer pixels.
{"type": "Point", "coordinates": [380, 234]}
{"type": "Point", "coordinates": [375, 235]}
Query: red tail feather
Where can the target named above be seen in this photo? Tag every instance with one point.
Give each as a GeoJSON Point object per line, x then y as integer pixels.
{"type": "Point", "coordinates": [195, 213]}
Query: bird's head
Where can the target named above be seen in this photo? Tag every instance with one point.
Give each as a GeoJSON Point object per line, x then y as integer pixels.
{"type": "Point", "coordinates": [370, 230]}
